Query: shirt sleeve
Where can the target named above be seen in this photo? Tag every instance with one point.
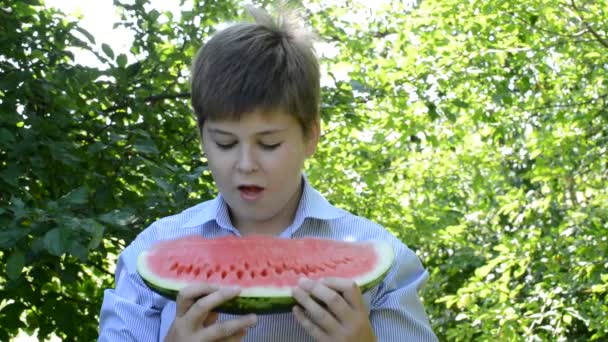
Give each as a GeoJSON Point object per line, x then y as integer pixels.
{"type": "Point", "coordinates": [130, 311]}
{"type": "Point", "coordinates": [396, 311]}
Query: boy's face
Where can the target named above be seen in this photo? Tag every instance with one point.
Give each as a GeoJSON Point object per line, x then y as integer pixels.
{"type": "Point", "coordinates": [256, 163]}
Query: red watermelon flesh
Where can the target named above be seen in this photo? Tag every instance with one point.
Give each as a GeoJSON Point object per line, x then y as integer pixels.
{"type": "Point", "coordinates": [258, 260]}
{"type": "Point", "coordinates": [263, 266]}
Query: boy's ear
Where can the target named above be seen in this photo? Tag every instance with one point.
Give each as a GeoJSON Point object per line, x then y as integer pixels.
{"type": "Point", "coordinates": [313, 138]}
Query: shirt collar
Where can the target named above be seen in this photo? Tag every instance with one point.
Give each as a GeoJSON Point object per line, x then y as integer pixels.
{"type": "Point", "coordinates": [312, 205]}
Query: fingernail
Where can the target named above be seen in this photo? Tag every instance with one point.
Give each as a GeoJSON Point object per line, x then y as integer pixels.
{"type": "Point", "coordinates": [233, 290]}
{"type": "Point", "coordinates": [305, 282]}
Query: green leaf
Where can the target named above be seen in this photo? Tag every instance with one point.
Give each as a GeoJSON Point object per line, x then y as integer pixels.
{"type": "Point", "coordinates": [76, 196]}
{"type": "Point", "coordinates": [11, 174]}
{"type": "Point", "coordinates": [9, 317]}
{"type": "Point", "coordinates": [64, 153]}
{"type": "Point", "coordinates": [96, 147]}
{"type": "Point", "coordinates": [104, 197]}
{"type": "Point", "coordinates": [96, 230]}
{"type": "Point", "coordinates": [593, 55]}
{"type": "Point", "coordinates": [86, 33]}
{"type": "Point", "coordinates": [78, 250]}
{"type": "Point", "coordinates": [461, 104]}
{"type": "Point", "coordinates": [118, 217]}
{"type": "Point", "coordinates": [121, 60]}
{"type": "Point", "coordinates": [133, 69]}
{"type": "Point", "coordinates": [8, 81]}
{"type": "Point", "coordinates": [107, 50]}
{"type": "Point", "coordinates": [9, 236]}
{"type": "Point", "coordinates": [18, 207]}
{"type": "Point", "coordinates": [15, 264]}
{"type": "Point", "coordinates": [168, 188]}
{"type": "Point", "coordinates": [6, 137]}
{"type": "Point", "coordinates": [145, 146]}
{"type": "Point", "coordinates": [54, 242]}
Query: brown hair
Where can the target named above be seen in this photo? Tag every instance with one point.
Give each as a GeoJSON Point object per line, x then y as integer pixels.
{"type": "Point", "coordinates": [268, 65]}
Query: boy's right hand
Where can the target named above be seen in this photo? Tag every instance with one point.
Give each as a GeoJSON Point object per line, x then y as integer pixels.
{"type": "Point", "coordinates": [194, 320]}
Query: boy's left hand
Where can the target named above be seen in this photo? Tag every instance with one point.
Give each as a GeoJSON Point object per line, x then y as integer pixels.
{"type": "Point", "coordinates": [344, 317]}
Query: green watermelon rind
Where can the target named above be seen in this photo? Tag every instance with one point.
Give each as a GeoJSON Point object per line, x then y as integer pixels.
{"type": "Point", "coordinates": [268, 300]}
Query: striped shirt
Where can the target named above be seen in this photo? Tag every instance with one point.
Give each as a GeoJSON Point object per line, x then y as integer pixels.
{"type": "Point", "coordinates": [132, 312]}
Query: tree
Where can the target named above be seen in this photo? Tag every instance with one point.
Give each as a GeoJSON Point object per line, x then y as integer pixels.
{"type": "Point", "coordinates": [474, 131]}
{"type": "Point", "coordinates": [89, 156]}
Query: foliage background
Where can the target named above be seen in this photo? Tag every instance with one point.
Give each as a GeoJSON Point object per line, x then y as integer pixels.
{"type": "Point", "coordinates": [476, 131]}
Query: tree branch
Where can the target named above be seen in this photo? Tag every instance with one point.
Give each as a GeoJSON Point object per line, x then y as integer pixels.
{"type": "Point", "coordinates": [593, 32]}
{"type": "Point", "coordinates": [569, 105]}
{"type": "Point", "coordinates": [151, 99]}
{"type": "Point", "coordinates": [156, 98]}
{"type": "Point", "coordinates": [542, 29]}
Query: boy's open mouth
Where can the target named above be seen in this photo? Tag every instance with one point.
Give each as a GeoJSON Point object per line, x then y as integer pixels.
{"type": "Point", "coordinates": [250, 192]}
{"type": "Point", "coordinates": [250, 188]}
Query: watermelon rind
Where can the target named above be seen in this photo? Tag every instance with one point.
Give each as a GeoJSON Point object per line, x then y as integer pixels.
{"type": "Point", "coordinates": [265, 300]}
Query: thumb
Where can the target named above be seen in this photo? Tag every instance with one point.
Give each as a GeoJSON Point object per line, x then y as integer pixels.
{"type": "Point", "coordinates": [210, 319]}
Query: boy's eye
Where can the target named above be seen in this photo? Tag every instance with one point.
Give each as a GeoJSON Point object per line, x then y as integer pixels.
{"type": "Point", "coordinates": [225, 146]}
{"type": "Point", "coordinates": [270, 146]}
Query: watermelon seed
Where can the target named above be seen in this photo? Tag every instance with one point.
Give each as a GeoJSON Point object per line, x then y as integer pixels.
{"type": "Point", "coordinates": [239, 274]}
{"type": "Point", "coordinates": [264, 273]}
{"type": "Point", "coordinates": [217, 268]}
{"type": "Point", "coordinates": [224, 274]}
{"type": "Point", "coordinates": [252, 274]}
{"type": "Point", "coordinates": [232, 267]}
{"type": "Point", "coordinates": [246, 266]}
{"type": "Point", "coordinates": [209, 273]}
{"type": "Point", "coordinates": [174, 266]}
{"type": "Point", "coordinates": [180, 270]}
{"type": "Point", "coordinates": [197, 271]}
{"type": "Point", "coordinates": [278, 270]}
{"type": "Point", "coordinates": [188, 269]}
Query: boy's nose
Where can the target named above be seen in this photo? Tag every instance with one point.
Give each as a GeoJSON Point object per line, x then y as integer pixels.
{"type": "Point", "coordinates": [246, 162]}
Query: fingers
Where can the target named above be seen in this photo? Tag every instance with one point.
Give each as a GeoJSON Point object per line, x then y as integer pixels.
{"type": "Point", "coordinates": [187, 296]}
{"type": "Point", "coordinates": [332, 299]}
{"type": "Point", "coordinates": [233, 329]}
{"type": "Point", "coordinates": [319, 315]}
{"type": "Point", "coordinates": [195, 319]}
{"type": "Point", "coordinates": [332, 310]}
{"type": "Point", "coordinates": [238, 337]}
{"type": "Point", "coordinates": [349, 289]}
{"type": "Point", "coordinates": [200, 309]}
{"type": "Point", "coordinates": [210, 319]}
{"type": "Point", "coordinates": [311, 328]}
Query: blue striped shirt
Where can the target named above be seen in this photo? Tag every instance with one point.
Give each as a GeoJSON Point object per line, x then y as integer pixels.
{"type": "Point", "coordinates": [132, 312]}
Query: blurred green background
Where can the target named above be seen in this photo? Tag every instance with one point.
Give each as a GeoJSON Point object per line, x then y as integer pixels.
{"type": "Point", "coordinates": [475, 131]}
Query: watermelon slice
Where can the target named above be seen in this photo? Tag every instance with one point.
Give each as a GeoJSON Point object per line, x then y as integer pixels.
{"type": "Point", "coordinates": [265, 268]}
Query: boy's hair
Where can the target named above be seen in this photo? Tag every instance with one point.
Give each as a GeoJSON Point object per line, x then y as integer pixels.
{"type": "Point", "coordinates": [267, 65]}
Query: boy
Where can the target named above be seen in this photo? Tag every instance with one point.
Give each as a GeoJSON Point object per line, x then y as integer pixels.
{"type": "Point", "coordinates": [255, 92]}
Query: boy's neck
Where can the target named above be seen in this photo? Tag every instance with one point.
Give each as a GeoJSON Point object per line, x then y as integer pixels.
{"type": "Point", "coordinates": [275, 225]}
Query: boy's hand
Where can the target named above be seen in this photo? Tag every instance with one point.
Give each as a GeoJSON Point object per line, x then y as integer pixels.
{"type": "Point", "coordinates": [194, 320]}
{"type": "Point", "coordinates": [344, 317]}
